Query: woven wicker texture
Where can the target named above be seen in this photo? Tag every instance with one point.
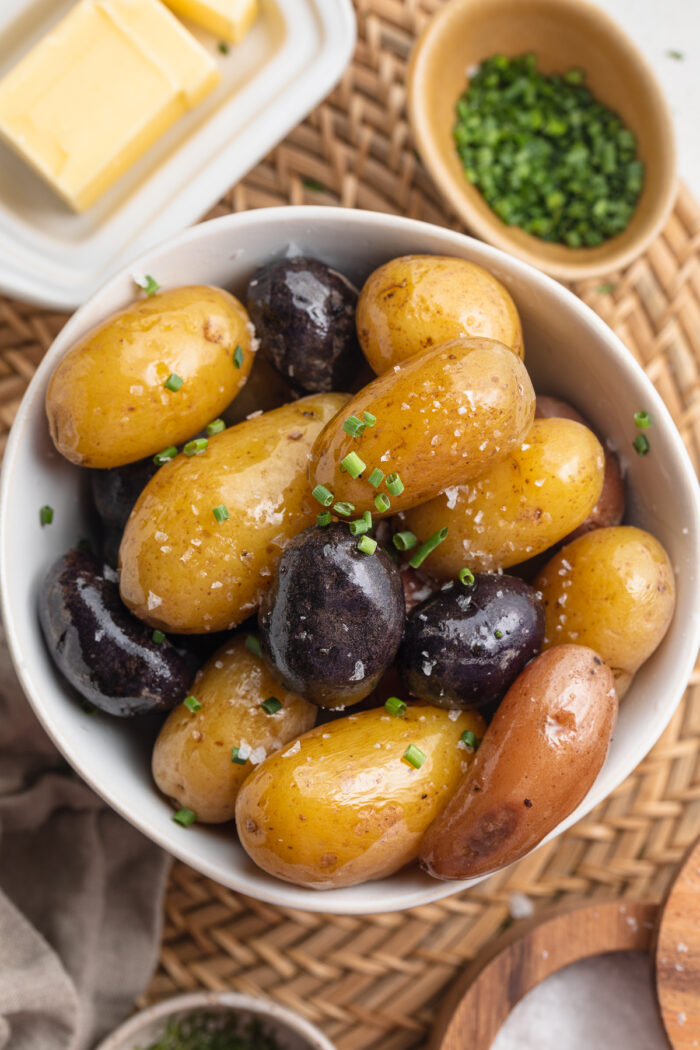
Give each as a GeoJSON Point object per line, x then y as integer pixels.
{"type": "Point", "coordinates": [373, 982]}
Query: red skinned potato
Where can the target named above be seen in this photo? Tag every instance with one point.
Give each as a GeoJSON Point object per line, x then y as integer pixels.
{"type": "Point", "coordinates": [610, 508]}
{"type": "Point", "coordinates": [539, 756]}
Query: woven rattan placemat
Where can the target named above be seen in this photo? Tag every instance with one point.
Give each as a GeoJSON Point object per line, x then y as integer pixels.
{"type": "Point", "coordinates": [373, 982]}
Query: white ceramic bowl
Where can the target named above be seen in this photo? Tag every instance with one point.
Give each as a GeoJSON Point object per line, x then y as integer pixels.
{"type": "Point", "coordinates": [570, 352]}
{"type": "Point", "coordinates": [291, 1030]}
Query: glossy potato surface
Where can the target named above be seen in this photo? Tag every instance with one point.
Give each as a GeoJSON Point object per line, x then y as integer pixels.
{"type": "Point", "coordinates": [182, 570]}
{"type": "Point", "coordinates": [519, 507]}
{"type": "Point", "coordinates": [612, 589]}
{"type": "Point", "coordinates": [106, 402]}
{"type": "Point", "coordinates": [539, 757]}
{"type": "Point", "coordinates": [418, 301]}
{"type": "Point", "coordinates": [442, 417]}
{"type": "Point", "coordinates": [343, 806]}
{"type": "Point", "coordinates": [192, 757]}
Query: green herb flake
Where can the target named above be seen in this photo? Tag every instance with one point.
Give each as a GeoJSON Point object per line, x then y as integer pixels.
{"type": "Point", "coordinates": [313, 184]}
{"type": "Point", "coordinates": [353, 464]}
{"type": "Point", "coordinates": [148, 284]}
{"type": "Point", "coordinates": [158, 637]}
{"type": "Point", "coordinates": [498, 634]}
{"type": "Point", "coordinates": [642, 420]}
{"type": "Point", "coordinates": [343, 509]}
{"type": "Point", "coordinates": [215, 427]}
{"type": "Point", "coordinates": [45, 515]}
{"type": "Point", "coordinates": [382, 502]}
{"type": "Point", "coordinates": [238, 356]}
{"type": "Point", "coordinates": [376, 478]}
{"type": "Point", "coordinates": [323, 495]}
{"type": "Point", "coordinates": [405, 541]}
{"type": "Point", "coordinates": [214, 1030]}
{"type": "Point", "coordinates": [678, 55]}
{"type": "Point", "coordinates": [394, 485]}
{"type": "Point", "coordinates": [466, 576]}
{"type": "Point", "coordinates": [470, 739]}
{"type": "Point", "coordinates": [253, 645]}
{"type": "Point", "coordinates": [196, 447]}
{"type": "Point", "coordinates": [607, 288]}
{"type": "Point", "coordinates": [395, 706]}
{"type": "Point", "coordinates": [366, 545]}
{"type": "Point", "coordinates": [426, 548]}
{"type": "Point", "coordinates": [414, 756]}
{"type": "Point", "coordinates": [271, 706]}
{"type": "Point", "coordinates": [165, 456]}
{"type": "Point", "coordinates": [359, 527]}
{"type": "Point", "coordinates": [641, 444]}
{"type": "Point", "coordinates": [173, 382]}
{"type": "Point", "coordinates": [192, 704]}
{"type": "Point", "coordinates": [323, 519]}
{"type": "Point", "coordinates": [237, 757]}
{"type": "Point", "coordinates": [185, 817]}
{"type": "Point", "coordinates": [221, 512]}
{"type": "Point", "coordinates": [369, 419]}
{"type": "Point", "coordinates": [354, 426]}
{"type": "Point", "coordinates": [223, 47]}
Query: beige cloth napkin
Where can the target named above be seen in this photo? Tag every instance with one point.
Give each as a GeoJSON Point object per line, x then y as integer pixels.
{"type": "Point", "coordinates": [81, 894]}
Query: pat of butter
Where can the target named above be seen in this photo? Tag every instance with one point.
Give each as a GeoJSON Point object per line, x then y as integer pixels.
{"type": "Point", "coordinates": [228, 19]}
{"type": "Point", "coordinates": [98, 90]}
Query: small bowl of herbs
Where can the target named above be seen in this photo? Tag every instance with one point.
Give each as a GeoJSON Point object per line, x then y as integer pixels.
{"type": "Point", "coordinates": [216, 1021]}
{"type": "Point", "coordinates": [546, 130]}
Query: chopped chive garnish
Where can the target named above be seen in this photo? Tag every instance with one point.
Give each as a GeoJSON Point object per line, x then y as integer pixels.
{"type": "Point", "coordinates": [323, 519]}
{"type": "Point", "coordinates": [196, 447]}
{"type": "Point", "coordinates": [253, 645]}
{"type": "Point", "coordinates": [359, 527]}
{"type": "Point", "coordinates": [344, 509]}
{"type": "Point", "coordinates": [606, 288]}
{"type": "Point", "coordinates": [215, 427]}
{"type": "Point", "coordinates": [369, 419]}
{"type": "Point", "coordinates": [466, 576]}
{"type": "Point", "coordinates": [394, 484]}
{"type": "Point", "coordinates": [367, 515]}
{"type": "Point", "coordinates": [470, 739]}
{"type": "Point", "coordinates": [192, 704]}
{"type": "Point", "coordinates": [425, 548]}
{"type": "Point", "coordinates": [238, 356]}
{"type": "Point", "coordinates": [382, 502]}
{"type": "Point", "coordinates": [149, 284]}
{"type": "Point", "coordinates": [405, 541]}
{"type": "Point", "coordinates": [678, 55]}
{"type": "Point", "coordinates": [323, 495]}
{"type": "Point", "coordinates": [498, 634]}
{"type": "Point", "coordinates": [395, 706]}
{"type": "Point", "coordinates": [237, 757]}
{"type": "Point", "coordinates": [353, 464]}
{"type": "Point", "coordinates": [271, 706]}
{"type": "Point", "coordinates": [642, 420]}
{"type": "Point", "coordinates": [641, 444]}
{"type": "Point", "coordinates": [87, 707]}
{"type": "Point", "coordinates": [414, 756]}
{"type": "Point", "coordinates": [165, 456]}
{"type": "Point", "coordinates": [354, 426]}
{"type": "Point", "coordinates": [185, 817]}
{"type": "Point", "coordinates": [173, 382]}
{"type": "Point", "coordinates": [367, 545]}
{"type": "Point", "coordinates": [220, 512]}
{"type": "Point", "coordinates": [376, 478]}
{"type": "Point", "coordinates": [158, 637]}
{"type": "Point", "coordinates": [313, 184]}
{"type": "Point", "coordinates": [45, 515]}
{"type": "Point", "coordinates": [223, 47]}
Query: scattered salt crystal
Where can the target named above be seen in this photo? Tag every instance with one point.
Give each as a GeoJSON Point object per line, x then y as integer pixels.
{"type": "Point", "coordinates": [110, 574]}
{"type": "Point", "coordinates": [255, 415]}
{"type": "Point", "coordinates": [294, 749]}
{"type": "Point", "coordinates": [681, 1018]}
{"type": "Point", "coordinates": [160, 537]}
{"type": "Point", "coordinates": [153, 601]}
{"type": "Point", "coordinates": [454, 714]}
{"type": "Point", "coordinates": [258, 755]}
{"type": "Point", "coordinates": [520, 906]}
{"type": "Point", "coordinates": [216, 584]}
{"type": "Point", "coordinates": [165, 549]}
{"type": "Point", "coordinates": [218, 664]}
{"type": "Point", "coordinates": [681, 947]}
{"type": "Point", "coordinates": [254, 341]}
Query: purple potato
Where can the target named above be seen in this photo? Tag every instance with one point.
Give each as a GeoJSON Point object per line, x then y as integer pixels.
{"type": "Point", "coordinates": [332, 620]}
{"type": "Point", "coordinates": [466, 645]}
{"type": "Point", "coordinates": [115, 491]}
{"type": "Point", "coordinates": [104, 651]}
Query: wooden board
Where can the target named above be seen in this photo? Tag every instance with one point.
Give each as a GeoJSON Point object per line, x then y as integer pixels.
{"type": "Point", "coordinates": [677, 955]}
{"type": "Point", "coordinates": [529, 953]}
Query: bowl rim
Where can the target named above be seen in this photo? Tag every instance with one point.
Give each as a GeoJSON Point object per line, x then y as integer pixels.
{"type": "Point", "coordinates": [280, 892]}
{"type": "Point", "coordinates": [492, 230]}
{"type": "Point", "coordinates": [122, 1037]}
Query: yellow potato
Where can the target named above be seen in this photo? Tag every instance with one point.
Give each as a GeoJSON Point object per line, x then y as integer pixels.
{"type": "Point", "coordinates": [107, 404]}
{"type": "Point", "coordinates": [534, 497]}
{"type": "Point", "coordinates": [418, 301]}
{"type": "Point", "coordinates": [442, 417]}
{"type": "Point", "coordinates": [182, 570]}
{"type": "Point", "coordinates": [192, 757]}
{"type": "Point", "coordinates": [343, 806]}
{"type": "Point", "coordinates": [613, 590]}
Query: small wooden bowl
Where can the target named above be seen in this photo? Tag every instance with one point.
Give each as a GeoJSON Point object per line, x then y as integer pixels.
{"type": "Point", "coordinates": [562, 34]}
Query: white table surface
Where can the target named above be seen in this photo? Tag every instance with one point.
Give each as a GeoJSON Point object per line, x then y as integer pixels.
{"type": "Point", "coordinates": [657, 27]}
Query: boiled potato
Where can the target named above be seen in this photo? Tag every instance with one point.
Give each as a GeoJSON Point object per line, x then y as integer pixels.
{"type": "Point", "coordinates": [418, 301]}
{"type": "Point", "coordinates": [540, 755]}
{"type": "Point", "coordinates": [107, 402]}
{"type": "Point", "coordinates": [519, 507]}
{"type": "Point", "coordinates": [343, 805]}
{"type": "Point", "coordinates": [201, 758]}
{"type": "Point", "coordinates": [612, 589]}
{"type": "Point", "coordinates": [610, 508]}
{"type": "Point", "coordinates": [441, 417]}
{"type": "Point", "coordinates": [182, 570]}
